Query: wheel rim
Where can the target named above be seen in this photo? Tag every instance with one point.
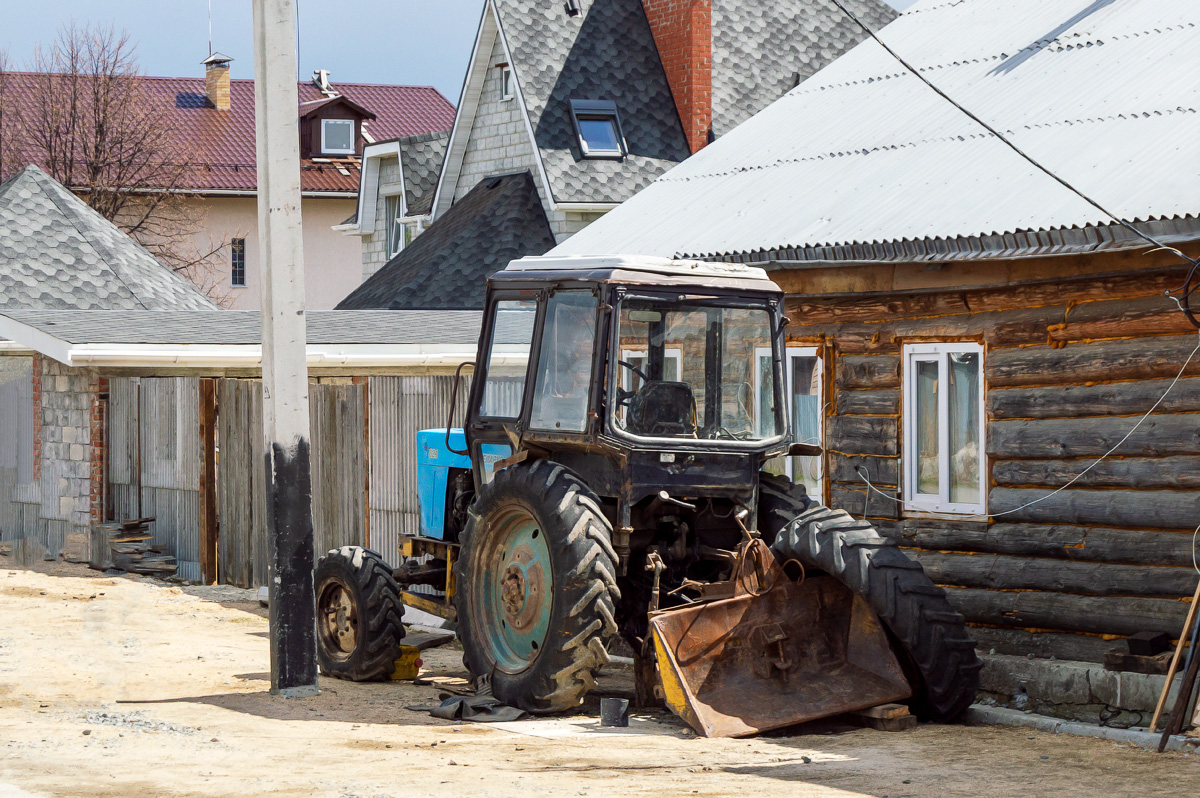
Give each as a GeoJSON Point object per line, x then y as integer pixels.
{"type": "Point", "coordinates": [517, 591]}
{"type": "Point", "coordinates": [337, 619]}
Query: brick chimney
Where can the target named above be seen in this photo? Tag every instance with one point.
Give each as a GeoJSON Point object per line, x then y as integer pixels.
{"type": "Point", "coordinates": [683, 32]}
{"type": "Point", "coordinates": [216, 80]}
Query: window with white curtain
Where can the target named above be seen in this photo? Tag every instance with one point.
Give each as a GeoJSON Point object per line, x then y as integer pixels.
{"type": "Point", "coordinates": [943, 428]}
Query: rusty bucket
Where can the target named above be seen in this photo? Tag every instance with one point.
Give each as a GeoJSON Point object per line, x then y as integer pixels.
{"type": "Point", "coordinates": [776, 652]}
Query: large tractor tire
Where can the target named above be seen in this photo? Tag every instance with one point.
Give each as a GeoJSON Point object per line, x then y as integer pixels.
{"type": "Point", "coordinates": [936, 652]}
{"type": "Point", "coordinates": [359, 615]}
{"type": "Point", "coordinates": [536, 587]}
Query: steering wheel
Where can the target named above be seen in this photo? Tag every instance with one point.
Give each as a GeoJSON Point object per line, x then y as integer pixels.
{"type": "Point", "coordinates": [634, 369]}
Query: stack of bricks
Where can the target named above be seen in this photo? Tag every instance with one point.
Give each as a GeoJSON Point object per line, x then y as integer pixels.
{"type": "Point", "coordinates": [683, 33]}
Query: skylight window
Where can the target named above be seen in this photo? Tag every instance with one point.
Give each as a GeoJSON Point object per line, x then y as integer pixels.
{"type": "Point", "coordinates": [598, 127]}
{"type": "Point", "coordinates": [337, 136]}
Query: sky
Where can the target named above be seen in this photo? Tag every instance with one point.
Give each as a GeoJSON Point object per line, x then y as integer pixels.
{"type": "Point", "coordinates": [416, 42]}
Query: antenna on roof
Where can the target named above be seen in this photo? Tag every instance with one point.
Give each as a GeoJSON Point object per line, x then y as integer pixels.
{"type": "Point", "coordinates": [210, 27]}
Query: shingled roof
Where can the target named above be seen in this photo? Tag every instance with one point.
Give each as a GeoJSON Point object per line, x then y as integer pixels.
{"type": "Point", "coordinates": [221, 143]}
{"type": "Point", "coordinates": [789, 41]}
{"type": "Point", "coordinates": [447, 266]}
{"type": "Point", "coordinates": [56, 252]}
{"type": "Point", "coordinates": [607, 52]}
{"type": "Point", "coordinates": [421, 159]}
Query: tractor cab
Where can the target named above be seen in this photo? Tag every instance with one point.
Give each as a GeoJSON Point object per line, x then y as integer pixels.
{"type": "Point", "coordinates": [640, 374]}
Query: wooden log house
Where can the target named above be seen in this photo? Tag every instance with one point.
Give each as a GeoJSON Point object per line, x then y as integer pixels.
{"type": "Point", "coordinates": [965, 331]}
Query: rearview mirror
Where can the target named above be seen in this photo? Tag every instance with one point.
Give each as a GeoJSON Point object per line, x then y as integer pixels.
{"type": "Point", "coordinates": [645, 315]}
{"type": "Point", "coordinates": [804, 450]}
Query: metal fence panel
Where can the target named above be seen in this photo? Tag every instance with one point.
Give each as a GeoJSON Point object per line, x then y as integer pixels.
{"type": "Point", "coordinates": [399, 408]}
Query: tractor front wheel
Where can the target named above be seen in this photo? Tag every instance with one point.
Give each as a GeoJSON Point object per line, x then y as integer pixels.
{"type": "Point", "coordinates": [359, 614]}
{"type": "Point", "coordinates": [936, 652]}
{"type": "Point", "coordinates": [536, 587]}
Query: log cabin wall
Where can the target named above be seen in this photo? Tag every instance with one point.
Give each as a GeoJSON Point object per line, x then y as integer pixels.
{"type": "Point", "coordinates": [1069, 366]}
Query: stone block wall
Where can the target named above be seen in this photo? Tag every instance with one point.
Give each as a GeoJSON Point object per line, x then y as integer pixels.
{"type": "Point", "coordinates": [500, 141]}
{"type": "Point", "coordinates": [65, 443]}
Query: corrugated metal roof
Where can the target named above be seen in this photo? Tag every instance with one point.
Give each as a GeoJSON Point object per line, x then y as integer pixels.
{"type": "Point", "coordinates": [863, 161]}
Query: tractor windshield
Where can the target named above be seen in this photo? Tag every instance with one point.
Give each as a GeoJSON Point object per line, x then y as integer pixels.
{"type": "Point", "coordinates": [695, 369]}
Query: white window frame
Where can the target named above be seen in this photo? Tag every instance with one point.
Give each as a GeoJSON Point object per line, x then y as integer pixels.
{"type": "Point", "coordinates": [790, 352]}
{"type": "Point", "coordinates": [233, 256]}
{"type": "Point", "coordinates": [393, 220]}
{"type": "Point", "coordinates": [629, 355]}
{"type": "Point", "coordinates": [926, 502]}
{"type": "Point", "coordinates": [325, 149]}
{"type": "Point", "coordinates": [507, 90]}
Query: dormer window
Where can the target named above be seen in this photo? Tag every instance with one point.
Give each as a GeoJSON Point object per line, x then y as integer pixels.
{"type": "Point", "coordinates": [598, 127]}
{"type": "Point", "coordinates": [337, 136]}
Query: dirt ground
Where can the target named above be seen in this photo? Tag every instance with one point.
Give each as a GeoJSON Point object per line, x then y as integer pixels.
{"type": "Point", "coordinates": [118, 686]}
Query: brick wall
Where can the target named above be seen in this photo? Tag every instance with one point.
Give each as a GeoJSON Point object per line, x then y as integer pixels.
{"type": "Point", "coordinates": [65, 433]}
{"type": "Point", "coordinates": [99, 447]}
{"type": "Point", "coordinates": [683, 33]}
{"type": "Point", "coordinates": [37, 418]}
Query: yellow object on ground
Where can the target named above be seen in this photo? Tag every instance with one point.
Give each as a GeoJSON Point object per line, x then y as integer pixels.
{"type": "Point", "coordinates": [408, 664]}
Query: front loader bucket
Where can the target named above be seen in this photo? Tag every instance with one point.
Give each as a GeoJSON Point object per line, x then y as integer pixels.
{"type": "Point", "coordinates": [796, 652]}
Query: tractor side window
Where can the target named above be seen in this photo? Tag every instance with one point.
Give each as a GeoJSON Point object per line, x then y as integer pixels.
{"type": "Point", "coordinates": [564, 375]}
{"type": "Point", "coordinates": [508, 358]}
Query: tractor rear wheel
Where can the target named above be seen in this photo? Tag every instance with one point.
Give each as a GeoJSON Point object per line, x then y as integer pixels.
{"type": "Point", "coordinates": [536, 587]}
{"type": "Point", "coordinates": [931, 640]}
{"type": "Point", "coordinates": [359, 615]}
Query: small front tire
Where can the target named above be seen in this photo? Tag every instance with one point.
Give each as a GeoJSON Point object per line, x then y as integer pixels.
{"type": "Point", "coordinates": [359, 615]}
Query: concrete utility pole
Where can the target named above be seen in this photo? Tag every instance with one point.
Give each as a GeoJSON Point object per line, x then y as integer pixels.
{"type": "Point", "coordinates": [284, 365]}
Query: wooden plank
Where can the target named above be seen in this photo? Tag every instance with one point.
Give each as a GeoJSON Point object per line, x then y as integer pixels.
{"type": "Point", "coordinates": [884, 402]}
{"type": "Point", "coordinates": [208, 481]}
{"type": "Point", "coordinates": [860, 502]}
{"type": "Point", "coordinates": [1023, 642]}
{"type": "Point", "coordinates": [1053, 439]}
{"type": "Point", "coordinates": [880, 470]}
{"type": "Point", "coordinates": [890, 303]}
{"type": "Point", "coordinates": [1179, 471]}
{"type": "Point", "coordinates": [1071, 401]}
{"type": "Point", "coordinates": [1108, 361]}
{"type": "Point", "coordinates": [1155, 315]}
{"type": "Point", "coordinates": [863, 435]}
{"type": "Point", "coordinates": [1162, 509]}
{"type": "Point", "coordinates": [1066, 612]}
{"type": "Point", "coordinates": [868, 371]}
{"type": "Point", "coordinates": [1005, 572]}
{"type": "Point", "coordinates": [1090, 544]}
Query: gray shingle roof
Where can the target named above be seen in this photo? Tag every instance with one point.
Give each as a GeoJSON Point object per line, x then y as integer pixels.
{"type": "Point", "coordinates": [421, 159]}
{"type": "Point", "coordinates": [447, 266]}
{"type": "Point", "coordinates": [760, 47]}
{"type": "Point", "coordinates": [605, 53]}
{"type": "Point", "coordinates": [56, 252]}
{"type": "Point", "coordinates": [241, 327]}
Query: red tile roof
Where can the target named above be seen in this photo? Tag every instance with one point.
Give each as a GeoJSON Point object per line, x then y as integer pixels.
{"type": "Point", "coordinates": [221, 143]}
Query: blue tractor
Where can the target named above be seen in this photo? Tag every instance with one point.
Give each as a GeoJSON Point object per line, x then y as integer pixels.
{"type": "Point", "coordinates": [612, 479]}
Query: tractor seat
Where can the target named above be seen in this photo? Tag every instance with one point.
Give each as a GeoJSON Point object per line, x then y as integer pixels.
{"type": "Point", "coordinates": [663, 409]}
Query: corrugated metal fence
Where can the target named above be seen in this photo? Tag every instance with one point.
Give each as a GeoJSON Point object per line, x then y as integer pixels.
{"type": "Point", "coordinates": [154, 460]}
{"type": "Point", "coordinates": [364, 464]}
{"type": "Point", "coordinates": [400, 407]}
{"type": "Point", "coordinates": [19, 495]}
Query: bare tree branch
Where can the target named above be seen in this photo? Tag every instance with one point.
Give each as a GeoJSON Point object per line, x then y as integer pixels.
{"type": "Point", "coordinates": [90, 122]}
